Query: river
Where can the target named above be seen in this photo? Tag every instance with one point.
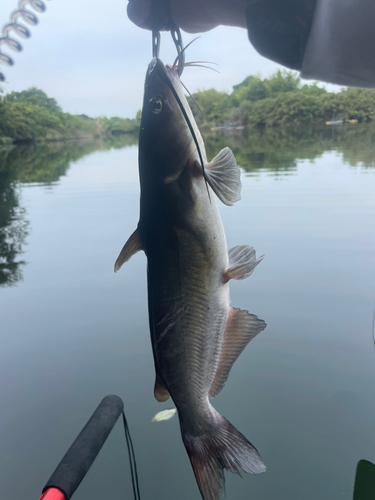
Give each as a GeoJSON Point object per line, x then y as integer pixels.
{"type": "Point", "coordinates": [72, 331]}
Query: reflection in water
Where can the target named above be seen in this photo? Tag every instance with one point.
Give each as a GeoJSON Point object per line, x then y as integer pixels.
{"type": "Point", "coordinates": [13, 230]}
{"type": "Point", "coordinates": [47, 163]}
{"type": "Point", "coordinates": [278, 149]}
{"type": "Point", "coordinates": [275, 150]}
{"type": "Point", "coordinates": [34, 164]}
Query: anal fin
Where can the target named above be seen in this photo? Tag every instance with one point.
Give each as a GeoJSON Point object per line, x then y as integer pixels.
{"type": "Point", "coordinates": [160, 391]}
{"type": "Point", "coordinates": [223, 175]}
{"type": "Point", "coordinates": [241, 328]}
{"type": "Point", "coordinates": [131, 247]}
{"type": "Point", "coordinates": [242, 262]}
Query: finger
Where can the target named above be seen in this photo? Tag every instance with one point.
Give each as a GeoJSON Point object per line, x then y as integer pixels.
{"type": "Point", "coordinates": [139, 12]}
{"type": "Point", "coordinates": [196, 16]}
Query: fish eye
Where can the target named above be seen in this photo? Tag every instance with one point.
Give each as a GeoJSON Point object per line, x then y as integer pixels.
{"type": "Point", "coordinates": [156, 105]}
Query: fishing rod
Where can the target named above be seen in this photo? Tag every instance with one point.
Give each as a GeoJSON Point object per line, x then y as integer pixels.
{"type": "Point", "coordinates": [19, 29]}
{"type": "Point", "coordinates": [80, 456]}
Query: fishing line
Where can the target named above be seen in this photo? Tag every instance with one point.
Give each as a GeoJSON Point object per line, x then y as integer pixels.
{"type": "Point", "coordinates": [132, 459]}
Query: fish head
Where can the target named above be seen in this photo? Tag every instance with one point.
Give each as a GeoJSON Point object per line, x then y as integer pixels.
{"type": "Point", "coordinates": [165, 142]}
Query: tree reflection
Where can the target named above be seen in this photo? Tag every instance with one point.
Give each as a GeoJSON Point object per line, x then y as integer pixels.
{"type": "Point", "coordinates": [42, 164]}
{"type": "Point", "coordinates": [13, 230]}
{"type": "Point", "coordinates": [278, 149]}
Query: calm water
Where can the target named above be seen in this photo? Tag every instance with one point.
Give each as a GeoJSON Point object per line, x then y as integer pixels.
{"type": "Point", "coordinates": [72, 331]}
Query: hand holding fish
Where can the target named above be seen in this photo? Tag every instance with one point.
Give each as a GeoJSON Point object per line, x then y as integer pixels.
{"type": "Point", "coordinates": [329, 40]}
{"type": "Point", "coordinates": [194, 16]}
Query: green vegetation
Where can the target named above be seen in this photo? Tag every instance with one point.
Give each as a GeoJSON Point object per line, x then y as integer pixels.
{"type": "Point", "coordinates": [31, 116]}
{"type": "Point", "coordinates": [282, 100]}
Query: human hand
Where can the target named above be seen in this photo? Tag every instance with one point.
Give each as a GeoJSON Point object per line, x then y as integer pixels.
{"type": "Point", "coordinates": [192, 16]}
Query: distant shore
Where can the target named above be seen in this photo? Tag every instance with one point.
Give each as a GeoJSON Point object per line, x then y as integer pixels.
{"type": "Point", "coordinates": [9, 141]}
{"type": "Point", "coordinates": [31, 117]}
{"type": "Point", "coordinates": [281, 99]}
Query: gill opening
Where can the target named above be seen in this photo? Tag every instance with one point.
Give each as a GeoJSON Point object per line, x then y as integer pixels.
{"type": "Point", "coordinates": [195, 139]}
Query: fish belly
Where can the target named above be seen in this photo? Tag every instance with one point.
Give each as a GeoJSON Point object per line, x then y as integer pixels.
{"type": "Point", "coordinates": [188, 307]}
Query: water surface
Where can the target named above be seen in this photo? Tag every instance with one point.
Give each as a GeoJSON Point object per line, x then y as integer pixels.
{"type": "Point", "coordinates": [72, 331]}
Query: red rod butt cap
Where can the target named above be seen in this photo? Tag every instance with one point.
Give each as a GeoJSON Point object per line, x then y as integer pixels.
{"type": "Point", "coordinates": [53, 494]}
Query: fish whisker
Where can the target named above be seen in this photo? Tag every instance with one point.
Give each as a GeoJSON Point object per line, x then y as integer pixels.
{"type": "Point", "coordinates": [174, 66]}
{"type": "Point", "coordinates": [202, 62]}
{"type": "Point", "coordinates": [189, 65]}
{"type": "Point", "coordinates": [195, 102]}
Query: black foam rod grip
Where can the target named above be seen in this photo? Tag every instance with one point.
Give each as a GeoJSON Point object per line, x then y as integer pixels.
{"type": "Point", "coordinates": [80, 456]}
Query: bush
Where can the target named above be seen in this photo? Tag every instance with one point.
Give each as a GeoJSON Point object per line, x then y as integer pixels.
{"type": "Point", "coordinates": [31, 116]}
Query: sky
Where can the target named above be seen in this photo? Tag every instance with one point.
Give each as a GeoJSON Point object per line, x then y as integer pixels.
{"type": "Point", "coordinates": [92, 59]}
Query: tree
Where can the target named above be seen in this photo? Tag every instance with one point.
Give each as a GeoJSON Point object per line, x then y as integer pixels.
{"type": "Point", "coordinates": [2, 108]}
{"type": "Point", "coordinates": [244, 83]}
{"type": "Point", "coordinates": [251, 89]}
{"type": "Point", "coordinates": [282, 81]}
{"type": "Point", "coordinates": [34, 96]}
{"type": "Point", "coordinates": [214, 105]}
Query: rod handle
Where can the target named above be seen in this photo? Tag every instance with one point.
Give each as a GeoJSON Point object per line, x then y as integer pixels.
{"type": "Point", "coordinates": [82, 453]}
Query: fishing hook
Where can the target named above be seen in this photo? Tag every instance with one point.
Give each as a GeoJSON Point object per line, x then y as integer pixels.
{"type": "Point", "coordinates": [177, 40]}
{"type": "Point", "coordinates": [28, 17]}
{"type": "Point", "coordinates": [155, 43]}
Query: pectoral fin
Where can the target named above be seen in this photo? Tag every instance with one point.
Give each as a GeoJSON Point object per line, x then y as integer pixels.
{"type": "Point", "coordinates": [242, 262]}
{"type": "Point", "coordinates": [223, 175]}
{"type": "Point", "coordinates": [241, 328]}
{"type": "Point", "coordinates": [131, 247]}
{"type": "Point", "coordinates": [160, 391]}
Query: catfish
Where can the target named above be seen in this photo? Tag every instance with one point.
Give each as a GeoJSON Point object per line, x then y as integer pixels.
{"type": "Point", "coordinates": [196, 335]}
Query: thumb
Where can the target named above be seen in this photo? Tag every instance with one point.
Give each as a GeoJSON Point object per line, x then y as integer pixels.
{"type": "Point", "coordinates": [149, 14]}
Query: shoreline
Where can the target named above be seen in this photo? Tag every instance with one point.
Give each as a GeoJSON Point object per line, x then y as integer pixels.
{"type": "Point", "coordinates": [9, 141]}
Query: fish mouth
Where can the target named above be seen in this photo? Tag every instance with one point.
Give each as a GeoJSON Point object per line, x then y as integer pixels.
{"type": "Point", "coordinates": [156, 67]}
{"type": "Point", "coordinates": [152, 67]}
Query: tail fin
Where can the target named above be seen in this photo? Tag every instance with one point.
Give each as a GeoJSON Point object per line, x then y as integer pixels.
{"type": "Point", "coordinates": [220, 447]}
